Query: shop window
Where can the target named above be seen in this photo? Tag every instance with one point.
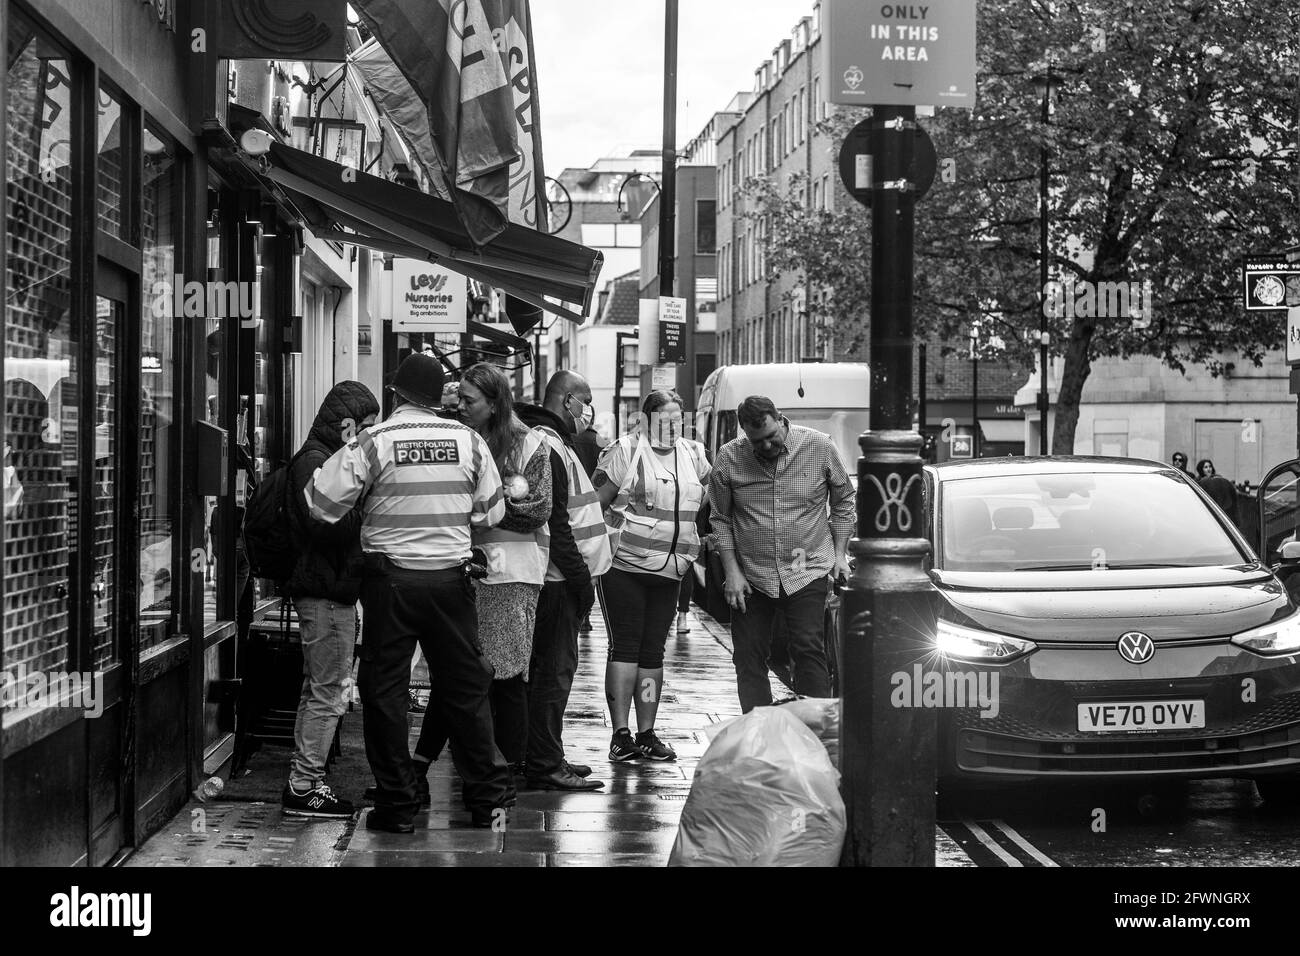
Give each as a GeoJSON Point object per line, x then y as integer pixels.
{"type": "Point", "coordinates": [104, 581]}
{"type": "Point", "coordinates": [41, 373]}
{"type": "Point", "coordinates": [214, 384]}
{"type": "Point", "coordinates": [111, 186]}
{"type": "Point", "coordinates": [159, 407]}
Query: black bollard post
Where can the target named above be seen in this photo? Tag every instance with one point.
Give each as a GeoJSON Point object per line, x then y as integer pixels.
{"type": "Point", "coordinates": [889, 755]}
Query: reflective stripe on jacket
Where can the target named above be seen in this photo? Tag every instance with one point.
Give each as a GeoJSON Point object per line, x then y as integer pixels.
{"type": "Point", "coordinates": [585, 518]}
{"type": "Point", "coordinates": [425, 481]}
{"type": "Point", "coordinates": [514, 555]}
{"type": "Point", "coordinates": [653, 507]}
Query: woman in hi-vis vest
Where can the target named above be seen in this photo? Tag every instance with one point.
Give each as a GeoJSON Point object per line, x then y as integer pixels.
{"type": "Point", "coordinates": [517, 550]}
{"type": "Point", "coordinates": [652, 483]}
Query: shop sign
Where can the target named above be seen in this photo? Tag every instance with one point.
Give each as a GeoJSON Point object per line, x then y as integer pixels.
{"type": "Point", "coordinates": [428, 298]}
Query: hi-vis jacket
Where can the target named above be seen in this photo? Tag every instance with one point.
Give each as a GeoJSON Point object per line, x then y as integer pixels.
{"type": "Point", "coordinates": [426, 480]}
{"type": "Point", "coordinates": [585, 518]}
{"type": "Point", "coordinates": [652, 518]}
{"type": "Point", "coordinates": [515, 555]}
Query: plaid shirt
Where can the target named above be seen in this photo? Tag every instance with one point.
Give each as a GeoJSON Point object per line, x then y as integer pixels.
{"type": "Point", "coordinates": [774, 515]}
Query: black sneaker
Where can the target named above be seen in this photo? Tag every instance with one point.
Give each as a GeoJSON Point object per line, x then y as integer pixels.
{"type": "Point", "coordinates": [317, 802]}
{"type": "Point", "coordinates": [622, 747]}
{"type": "Point", "coordinates": [653, 747]}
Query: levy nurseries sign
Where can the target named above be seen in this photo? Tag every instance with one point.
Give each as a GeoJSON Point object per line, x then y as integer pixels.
{"type": "Point", "coordinates": [900, 54]}
{"type": "Point", "coordinates": [428, 298]}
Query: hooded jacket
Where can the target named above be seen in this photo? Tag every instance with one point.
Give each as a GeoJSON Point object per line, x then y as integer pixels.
{"type": "Point", "coordinates": [564, 550]}
{"type": "Point", "coordinates": [330, 563]}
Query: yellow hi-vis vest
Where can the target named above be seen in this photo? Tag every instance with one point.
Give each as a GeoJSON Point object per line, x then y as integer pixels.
{"type": "Point", "coordinates": [514, 555]}
{"type": "Point", "coordinates": [585, 518]}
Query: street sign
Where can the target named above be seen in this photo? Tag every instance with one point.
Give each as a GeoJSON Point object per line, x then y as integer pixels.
{"type": "Point", "coordinates": [900, 54]}
{"type": "Point", "coordinates": [1269, 282]}
{"type": "Point", "coordinates": [963, 446]}
{"type": "Point", "coordinates": [428, 298]}
{"type": "Point", "coordinates": [663, 378]}
{"type": "Point", "coordinates": [672, 342]}
{"type": "Point", "coordinates": [857, 161]}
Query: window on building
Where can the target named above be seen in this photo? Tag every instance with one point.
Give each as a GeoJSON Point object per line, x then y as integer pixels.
{"type": "Point", "coordinates": [599, 234]}
{"type": "Point", "coordinates": [706, 226]}
{"type": "Point", "coordinates": [42, 369]}
{"type": "Point", "coordinates": [627, 235]}
{"type": "Point", "coordinates": [159, 401]}
{"type": "Point", "coordinates": [802, 113]}
{"type": "Point", "coordinates": [826, 192]}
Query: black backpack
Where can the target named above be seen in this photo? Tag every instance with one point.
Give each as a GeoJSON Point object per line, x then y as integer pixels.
{"type": "Point", "coordinates": [268, 533]}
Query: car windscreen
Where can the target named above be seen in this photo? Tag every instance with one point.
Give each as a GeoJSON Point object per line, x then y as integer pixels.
{"type": "Point", "coordinates": [1082, 521]}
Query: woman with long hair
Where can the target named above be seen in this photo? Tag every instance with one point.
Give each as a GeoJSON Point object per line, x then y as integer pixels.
{"type": "Point", "coordinates": [516, 550]}
{"type": "Point", "coordinates": [651, 483]}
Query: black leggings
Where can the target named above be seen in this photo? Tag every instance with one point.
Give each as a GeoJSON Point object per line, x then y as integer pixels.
{"type": "Point", "coordinates": [639, 609]}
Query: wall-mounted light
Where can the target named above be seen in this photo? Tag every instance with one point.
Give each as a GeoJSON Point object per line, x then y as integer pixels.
{"type": "Point", "coordinates": [256, 142]}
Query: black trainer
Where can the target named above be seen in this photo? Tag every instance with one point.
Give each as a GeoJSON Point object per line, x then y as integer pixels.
{"type": "Point", "coordinates": [653, 747]}
{"type": "Point", "coordinates": [622, 747]}
{"type": "Point", "coordinates": [317, 802]}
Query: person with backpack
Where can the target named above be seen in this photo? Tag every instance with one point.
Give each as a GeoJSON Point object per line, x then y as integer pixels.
{"type": "Point", "coordinates": [325, 585]}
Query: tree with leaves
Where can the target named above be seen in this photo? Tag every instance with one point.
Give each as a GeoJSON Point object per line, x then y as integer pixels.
{"type": "Point", "coordinates": [1171, 152]}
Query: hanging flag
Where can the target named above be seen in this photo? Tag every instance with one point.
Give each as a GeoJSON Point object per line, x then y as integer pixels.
{"type": "Point", "coordinates": [527, 204]}
{"type": "Point", "coordinates": [449, 56]}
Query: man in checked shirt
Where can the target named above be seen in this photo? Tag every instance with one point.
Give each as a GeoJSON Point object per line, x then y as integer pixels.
{"type": "Point", "coordinates": [783, 513]}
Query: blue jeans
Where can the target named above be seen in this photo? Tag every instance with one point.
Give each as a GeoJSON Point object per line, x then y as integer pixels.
{"type": "Point", "coordinates": [328, 632]}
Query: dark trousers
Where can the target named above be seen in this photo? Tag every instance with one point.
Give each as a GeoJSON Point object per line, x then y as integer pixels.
{"type": "Point", "coordinates": [509, 700]}
{"type": "Point", "coordinates": [550, 677]}
{"type": "Point", "coordinates": [639, 610]}
{"type": "Point", "coordinates": [437, 609]}
{"type": "Point", "coordinates": [804, 613]}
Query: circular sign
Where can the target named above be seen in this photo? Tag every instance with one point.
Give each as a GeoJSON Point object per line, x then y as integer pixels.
{"type": "Point", "coordinates": [860, 167]}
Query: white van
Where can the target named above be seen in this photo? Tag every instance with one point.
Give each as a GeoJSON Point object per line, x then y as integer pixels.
{"type": "Point", "coordinates": [831, 398]}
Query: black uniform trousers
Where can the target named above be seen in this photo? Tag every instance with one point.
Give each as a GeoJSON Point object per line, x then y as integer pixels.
{"type": "Point", "coordinates": [551, 671]}
{"type": "Point", "coordinates": [437, 609]}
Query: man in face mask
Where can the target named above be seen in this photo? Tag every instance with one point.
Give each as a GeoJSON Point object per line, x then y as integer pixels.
{"type": "Point", "coordinates": [786, 484]}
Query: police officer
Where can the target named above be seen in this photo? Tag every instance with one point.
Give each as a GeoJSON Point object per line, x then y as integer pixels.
{"type": "Point", "coordinates": [425, 481]}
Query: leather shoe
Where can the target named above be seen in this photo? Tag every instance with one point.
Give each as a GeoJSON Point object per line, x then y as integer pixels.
{"type": "Point", "coordinates": [563, 779]}
{"type": "Point", "coordinates": [378, 821]}
{"type": "Point", "coordinates": [487, 819]}
{"type": "Point", "coordinates": [580, 769]}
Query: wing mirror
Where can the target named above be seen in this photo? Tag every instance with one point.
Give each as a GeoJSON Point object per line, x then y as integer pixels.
{"type": "Point", "coordinates": [1290, 554]}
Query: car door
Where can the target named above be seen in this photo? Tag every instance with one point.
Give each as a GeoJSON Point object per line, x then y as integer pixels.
{"type": "Point", "coordinates": [1278, 524]}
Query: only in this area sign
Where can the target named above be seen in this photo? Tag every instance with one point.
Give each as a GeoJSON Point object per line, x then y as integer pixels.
{"type": "Point", "coordinates": [672, 330]}
{"type": "Point", "coordinates": [1270, 282]}
{"type": "Point", "coordinates": [900, 54]}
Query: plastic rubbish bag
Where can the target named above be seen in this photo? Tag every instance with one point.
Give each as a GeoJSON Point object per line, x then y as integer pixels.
{"type": "Point", "coordinates": [821, 715]}
{"type": "Point", "coordinates": [764, 794]}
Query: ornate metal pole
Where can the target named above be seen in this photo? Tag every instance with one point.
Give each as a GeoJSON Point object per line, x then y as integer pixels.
{"type": "Point", "coordinates": [888, 756]}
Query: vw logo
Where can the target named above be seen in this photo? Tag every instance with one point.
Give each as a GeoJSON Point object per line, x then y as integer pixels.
{"type": "Point", "coordinates": [1135, 647]}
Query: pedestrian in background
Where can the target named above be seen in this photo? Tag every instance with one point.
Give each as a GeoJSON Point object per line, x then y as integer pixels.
{"type": "Point", "coordinates": [1219, 489]}
{"type": "Point", "coordinates": [1179, 460]}
{"type": "Point", "coordinates": [651, 481]}
{"type": "Point", "coordinates": [782, 513]}
{"type": "Point", "coordinates": [579, 553]}
{"type": "Point", "coordinates": [426, 481]}
{"type": "Point", "coordinates": [325, 586]}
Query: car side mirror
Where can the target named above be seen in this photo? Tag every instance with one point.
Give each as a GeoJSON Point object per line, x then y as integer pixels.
{"type": "Point", "coordinates": [1290, 554]}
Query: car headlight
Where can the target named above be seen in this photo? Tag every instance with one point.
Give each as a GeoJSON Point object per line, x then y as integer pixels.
{"type": "Point", "coordinates": [1279, 637]}
{"type": "Point", "coordinates": [969, 644]}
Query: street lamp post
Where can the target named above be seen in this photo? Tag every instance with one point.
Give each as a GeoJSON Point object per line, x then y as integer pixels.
{"type": "Point", "coordinates": [1043, 337]}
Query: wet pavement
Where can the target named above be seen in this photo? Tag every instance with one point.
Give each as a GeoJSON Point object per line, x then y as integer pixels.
{"type": "Point", "coordinates": [633, 820]}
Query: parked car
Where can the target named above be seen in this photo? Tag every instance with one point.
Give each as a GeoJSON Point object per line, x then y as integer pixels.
{"type": "Point", "coordinates": [1133, 631]}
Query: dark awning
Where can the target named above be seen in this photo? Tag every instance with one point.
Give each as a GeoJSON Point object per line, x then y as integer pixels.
{"type": "Point", "coordinates": [341, 204]}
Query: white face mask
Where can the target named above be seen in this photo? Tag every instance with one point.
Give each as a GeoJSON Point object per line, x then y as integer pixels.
{"type": "Point", "coordinates": [586, 416]}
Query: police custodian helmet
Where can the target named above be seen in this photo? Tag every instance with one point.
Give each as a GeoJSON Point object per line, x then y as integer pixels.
{"type": "Point", "coordinates": [419, 380]}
